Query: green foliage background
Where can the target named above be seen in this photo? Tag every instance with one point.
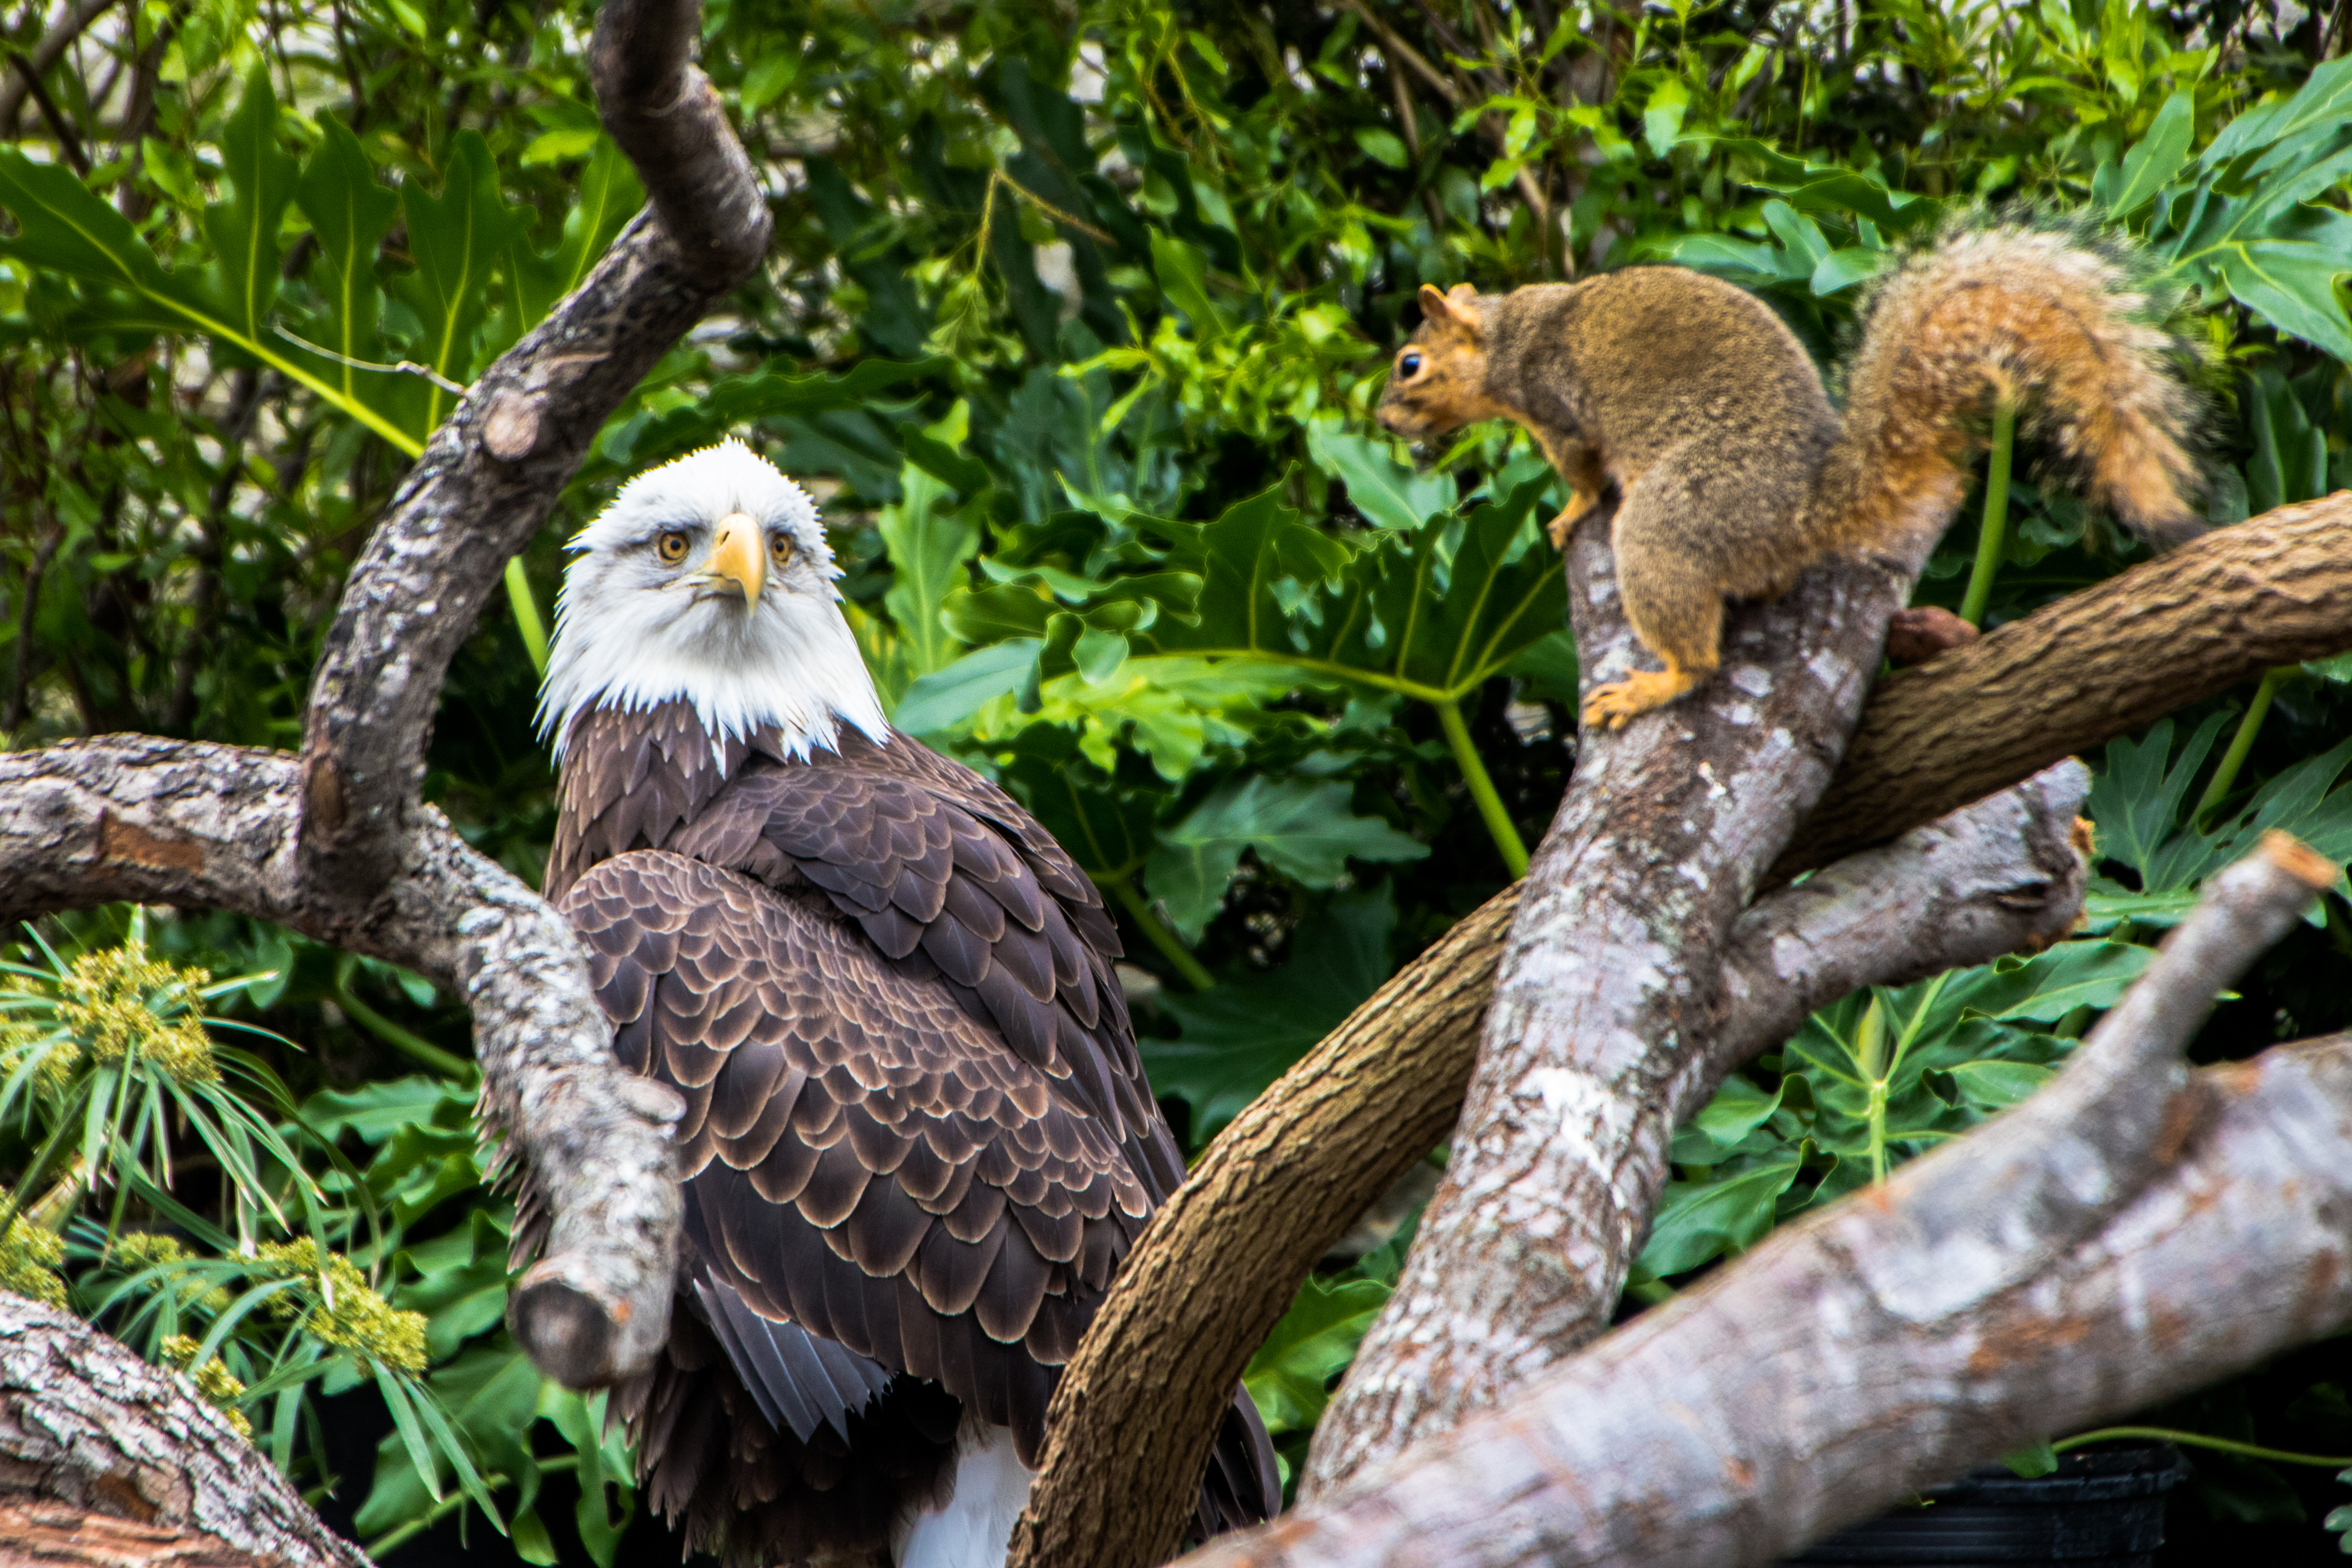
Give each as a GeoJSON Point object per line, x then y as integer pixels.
{"type": "Point", "coordinates": [1074, 317]}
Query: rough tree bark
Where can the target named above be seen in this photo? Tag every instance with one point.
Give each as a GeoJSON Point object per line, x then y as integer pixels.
{"type": "Point", "coordinates": [1596, 1043]}
{"type": "Point", "coordinates": [87, 1427]}
{"type": "Point", "coordinates": [1296, 1167]}
{"type": "Point", "coordinates": [337, 844]}
{"type": "Point", "coordinates": [2053, 1270]}
{"type": "Point", "coordinates": [1157, 1365]}
{"type": "Point", "coordinates": [2274, 590]}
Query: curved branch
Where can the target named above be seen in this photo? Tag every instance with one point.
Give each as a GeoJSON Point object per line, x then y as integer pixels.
{"type": "Point", "coordinates": [2049, 1271]}
{"type": "Point", "coordinates": [86, 1423]}
{"type": "Point", "coordinates": [493, 470]}
{"type": "Point", "coordinates": [1153, 1374]}
{"type": "Point", "coordinates": [339, 846]}
{"type": "Point", "coordinates": [2119, 655]}
{"type": "Point", "coordinates": [155, 821]}
{"type": "Point", "coordinates": [25, 71]}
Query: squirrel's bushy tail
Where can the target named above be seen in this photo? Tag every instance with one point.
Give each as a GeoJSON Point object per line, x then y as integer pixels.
{"type": "Point", "coordinates": [2031, 316]}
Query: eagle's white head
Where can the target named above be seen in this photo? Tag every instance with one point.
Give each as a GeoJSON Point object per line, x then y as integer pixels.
{"type": "Point", "coordinates": [708, 580]}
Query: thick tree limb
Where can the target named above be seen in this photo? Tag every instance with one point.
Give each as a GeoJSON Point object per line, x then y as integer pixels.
{"type": "Point", "coordinates": [2056, 1268]}
{"type": "Point", "coordinates": [2119, 655]}
{"type": "Point", "coordinates": [1361, 1109]}
{"type": "Point", "coordinates": [83, 1422]}
{"type": "Point", "coordinates": [155, 821]}
{"type": "Point", "coordinates": [1589, 1059]}
{"type": "Point", "coordinates": [1595, 1046]}
{"type": "Point", "coordinates": [339, 845]}
{"type": "Point", "coordinates": [1152, 1377]}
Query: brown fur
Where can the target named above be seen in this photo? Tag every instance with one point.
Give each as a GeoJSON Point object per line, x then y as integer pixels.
{"type": "Point", "coordinates": [1735, 473]}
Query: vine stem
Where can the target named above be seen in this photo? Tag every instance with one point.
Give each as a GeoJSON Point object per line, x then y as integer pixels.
{"type": "Point", "coordinates": [1482, 788]}
{"type": "Point", "coordinates": [2226, 776]}
{"type": "Point", "coordinates": [1995, 532]}
{"type": "Point", "coordinates": [445, 1063]}
{"type": "Point", "coordinates": [400, 1534]}
{"type": "Point", "coordinates": [1178, 956]}
{"type": "Point", "coordinates": [2199, 1440]}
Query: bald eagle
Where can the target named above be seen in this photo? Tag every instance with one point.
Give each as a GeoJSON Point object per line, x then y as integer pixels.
{"type": "Point", "coordinates": [917, 1138]}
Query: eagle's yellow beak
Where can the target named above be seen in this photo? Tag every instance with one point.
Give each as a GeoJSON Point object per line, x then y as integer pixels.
{"type": "Point", "coordinates": [735, 559]}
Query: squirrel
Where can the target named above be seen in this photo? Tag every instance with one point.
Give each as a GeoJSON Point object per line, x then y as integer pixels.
{"type": "Point", "coordinates": [1734, 471]}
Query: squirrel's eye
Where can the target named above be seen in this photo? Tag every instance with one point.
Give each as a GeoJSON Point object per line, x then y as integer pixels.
{"type": "Point", "coordinates": [670, 546]}
{"type": "Point", "coordinates": [1408, 366]}
{"type": "Point", "coordinates": [779, 550]}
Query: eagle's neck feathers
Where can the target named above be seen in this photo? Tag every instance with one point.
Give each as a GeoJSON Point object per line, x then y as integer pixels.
{"type": "Point", "coordinates": [797, 676]}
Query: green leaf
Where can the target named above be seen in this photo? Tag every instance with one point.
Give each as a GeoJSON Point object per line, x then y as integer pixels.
{"type": "Point", "coordinates": [609, 196]}
{"type": "Point", "coordinates": [2048, 986]}
{"type": "Point", "coordinates": [561, 145]}
{"type": "Point", "coordinates": [1305, 829]}
{"type": "Point", "coordinates": [456, 240]}
{"type": "Point", "coordinates": [2136, 800]}
{"type": "Point", "coordinates": [1845, 266]}
{"type": "Point", "coordinates": [1239, 1037]}
{"type": "Point", "coordinates": [945, 697]}
{"type": "Point", "coordinates": [928, 541]}
{"type": "Point", "coordinates": [2323, 101]}
{"type": "Point", "coordinates": [2032, 1461]}
{"type": "Point", "coordinates": [2291, 283]}
{"type": "Point", "coordinates": [2156, 157]}
{"type": "Point", "coordinates": [243, 229]}
{"type": "Point", "coordinates": [1998, 1085]}
{"type": "Point", "coordinates": [1383, 146]}
{"type": "Point", "coordinates": [1699, 1221]}
{"type": "Point", "coordinates": [1662, 117]}
{"type": "Point", "coordinates": [1182, 271]}
{"type": "Point", "coordinates": [348, 213]}
{"type": "Point", "coordinates": [1388, 493]}
{"type": "Point", "coordinates": [1316, 1339]}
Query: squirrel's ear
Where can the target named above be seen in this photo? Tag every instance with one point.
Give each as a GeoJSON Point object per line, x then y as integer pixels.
{"type": "Point", "coordinates": [1458, 308]}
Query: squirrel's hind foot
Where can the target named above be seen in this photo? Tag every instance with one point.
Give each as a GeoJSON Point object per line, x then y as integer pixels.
{"type": "Point", "coordinates": [1620, 700]}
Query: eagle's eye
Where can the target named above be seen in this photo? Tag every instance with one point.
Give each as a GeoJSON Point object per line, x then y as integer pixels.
{"type": "Point", "coordinates": [670, 546]}
{"type": "Point", "coordinates": [779, 550]}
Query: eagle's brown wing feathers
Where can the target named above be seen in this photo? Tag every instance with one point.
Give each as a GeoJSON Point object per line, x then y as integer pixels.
{"type": "Point", "coordinates": [859, 1152]}
{"type": "Point", "coordinates": [917, 1126]}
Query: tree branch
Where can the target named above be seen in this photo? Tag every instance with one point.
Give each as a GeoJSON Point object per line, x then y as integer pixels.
{"type": "Point", "coordinates": [86, 1423]}
{"type": "Point", "coordinates": [154, 821]}
{"type": "Point", "coordinates": [2052, 1271]}
{"type": "Point", "coordinates": [1155, 1371]}
{"type": "Point", "coordinates": [2118, 656]}
{"type": "Point", "coordinates": [27, 69]}
{"type": "Point", "coordinates": [1594, 1050]}
{"type": "Point", "coordinates": [339, 844]}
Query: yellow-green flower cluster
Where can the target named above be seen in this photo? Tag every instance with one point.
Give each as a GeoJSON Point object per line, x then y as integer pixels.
{"type": "Point", "coordinates": [30, 1256]}
{"type": "Point", "coordinates": [113, 1001]}
{"type": "Point", "coordinates": [213, 1380]}
{"type": "Point", "coordinates": [138, 1250]}
{"type": "Point", "coordinates": [350, 1314]}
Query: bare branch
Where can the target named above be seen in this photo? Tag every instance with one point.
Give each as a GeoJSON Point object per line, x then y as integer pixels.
{"type": "Point", "coordinates": [1590, 1056]}
{"type": "Point", "coordinates": [2054, 1269]}
{"type": "Point", "coordinates": [2119, 655]}
{"type": "Point", "coordinates": [1293, 1172]}
{"type": "Point", "coordinates": [493, 470]}
{"type": "Point", "coordinates": [159, 821]}
{"type": "Point", "coordinates": [668, 118]}
{"type": "Point", "coordinates": [25, 71]}
{"type": "Point", "coordinates": [339, 845]}
{"type": "Point", "coordinates": [86, 1423]}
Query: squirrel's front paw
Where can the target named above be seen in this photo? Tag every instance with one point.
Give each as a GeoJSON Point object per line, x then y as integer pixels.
{"type": "Point", "coordinates": [1613, 704]}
